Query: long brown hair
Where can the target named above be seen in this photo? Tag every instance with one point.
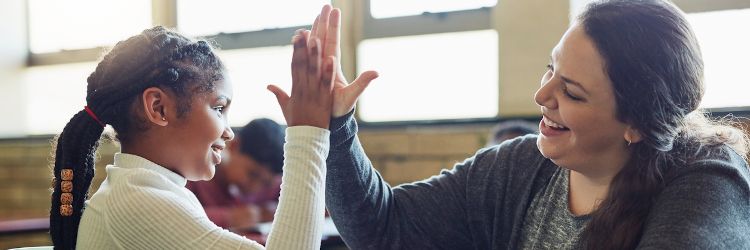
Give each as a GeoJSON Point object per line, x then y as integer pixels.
{"type": "Point", "coordinates": [654, 62]}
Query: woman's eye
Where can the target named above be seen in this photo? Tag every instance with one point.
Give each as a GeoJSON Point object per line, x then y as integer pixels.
{"type": "Point", "coordinates": [572, 97]}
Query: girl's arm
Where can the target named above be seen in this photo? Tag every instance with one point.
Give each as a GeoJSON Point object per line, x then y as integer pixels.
{"type": "Point", "coordinates": [299, 217]}
{"type": "Point", "coordinates": [298, 220]}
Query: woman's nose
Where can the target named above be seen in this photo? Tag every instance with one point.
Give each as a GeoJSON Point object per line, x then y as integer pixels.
{"type": "Point", "coordinates": [544, 96]}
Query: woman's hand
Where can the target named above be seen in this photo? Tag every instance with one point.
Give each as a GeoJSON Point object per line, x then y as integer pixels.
{"type": "Point", "coordinates": [327, 28]}
{"type": "Point", "coordinates": [312, 84]}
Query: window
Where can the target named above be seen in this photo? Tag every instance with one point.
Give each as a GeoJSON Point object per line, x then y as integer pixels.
{"type": "Point", "coordinates": [393, 8]}
{"type": "Point", "coordinates": [432, 67]}
{"type": "Point", "coordinates": [54, 93]}
{"type": "Point", "coordinates": [725, 56]}
{"type": "Point", "coordinates": [255, 39]}
{"type": "Point", "coordinates": [66, 40]}
{"type": "Point", "coordinates": [79, 24]}
{"type": "Point", "coordinates": [199, 18]}
{"type": "Point", "coordinates": [429, 77]}
{"type": "Point", "coordinates": [65, 37]}
{"type": "Point", "coordinates": [250, 71]}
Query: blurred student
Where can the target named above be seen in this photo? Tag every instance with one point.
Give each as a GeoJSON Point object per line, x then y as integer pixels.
{"type": "Point", "coordinates": [246, 187]}
{"type": "Point", "coordinates": [510, 129]}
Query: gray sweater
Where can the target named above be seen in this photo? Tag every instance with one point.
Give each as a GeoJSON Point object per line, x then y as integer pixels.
{"type": "Point", "coordinates": [482, 202]}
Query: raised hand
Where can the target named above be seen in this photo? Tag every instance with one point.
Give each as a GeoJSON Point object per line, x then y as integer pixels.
{"type": "Point", "coordinates": [327, 28]}
{"type": "Point", "coordinates": [311, 100]}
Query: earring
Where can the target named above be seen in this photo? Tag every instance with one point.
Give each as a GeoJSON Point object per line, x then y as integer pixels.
{"type": "Point", "coordinates": [628, 142]}
{"type": "Point", "coordinates": [163, 118]}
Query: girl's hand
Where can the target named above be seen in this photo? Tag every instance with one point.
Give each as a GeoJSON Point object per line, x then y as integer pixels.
{"type": "Point", "coordinates": [312, 84]}
{"type": "Point", "coordinates": [327, 28]}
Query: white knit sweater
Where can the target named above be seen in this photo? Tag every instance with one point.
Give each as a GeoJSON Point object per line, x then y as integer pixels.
{"type": "Point", "coordinates": [142, 205]}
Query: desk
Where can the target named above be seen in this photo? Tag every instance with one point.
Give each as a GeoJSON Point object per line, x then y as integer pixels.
{"type": "Point", "coordinates": [24, 226]}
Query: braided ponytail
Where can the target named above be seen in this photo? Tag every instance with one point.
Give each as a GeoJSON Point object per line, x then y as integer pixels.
{"type": "Point", "coordinates": [75, 151]}
{"type": "Point", "coordinates": [155, 58]}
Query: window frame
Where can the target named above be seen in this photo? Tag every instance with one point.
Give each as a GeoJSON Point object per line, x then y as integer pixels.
{"type": "Point", "coordinates": [362, 26]}
{"type": "Point", "coordinates": [699, 6]}
{"type": "Point", "coordinates": [413, 25]}
{"type": "Point", "coordinates": [164, 12]}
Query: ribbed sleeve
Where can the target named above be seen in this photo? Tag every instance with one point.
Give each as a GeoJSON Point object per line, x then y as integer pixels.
{"type": "Point", "coordinates": [299, 217]}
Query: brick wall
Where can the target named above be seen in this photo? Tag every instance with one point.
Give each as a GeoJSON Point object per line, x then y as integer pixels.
{"type": "Point", "coordinates": [25, 179]}
{"type": "Point", "coordinates": [409, 154]}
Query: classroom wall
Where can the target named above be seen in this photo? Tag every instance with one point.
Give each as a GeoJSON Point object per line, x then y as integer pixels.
{"type": "Point", "coordinates": [401, 155]}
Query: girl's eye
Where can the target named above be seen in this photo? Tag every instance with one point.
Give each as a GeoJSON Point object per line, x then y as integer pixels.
{"type": "Point", "coordinates": [219, 109]}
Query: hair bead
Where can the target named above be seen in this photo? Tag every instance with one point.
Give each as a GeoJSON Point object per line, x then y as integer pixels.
{"type": "Point", "coordinates": [66, 186]}
{"type": "Point", "coordinates": [66, 210]}
{"type": "Point", "coordinates": [66, 174]}
{"type": "Point", "coordinates": [66, 198]}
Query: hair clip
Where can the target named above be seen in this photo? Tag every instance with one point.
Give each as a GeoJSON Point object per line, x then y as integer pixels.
{"type": "Point", "coordinates": [66, 174]}
{"type": "Point", "coordinates": [66, 186]}
{"type": "Point", "coordinates": [66, 198]}
{"type": "Point", "coordinates": [66, 210]}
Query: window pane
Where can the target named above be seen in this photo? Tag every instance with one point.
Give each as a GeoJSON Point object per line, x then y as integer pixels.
{"type": "Point", "coordinates": [250, 71]}
{"type": "Point", "coordinates": [439, 76]}
{"type": "Point", "coordinates": [77, 24]}
{"type": "Point", "coordinates": [725, 54]}
{"type": "Point", "coordinates": [392, 8]}
{"type": "Point", "coordinates": [198, 18]}
{"type": "Point", "coordinates": [54, 94]}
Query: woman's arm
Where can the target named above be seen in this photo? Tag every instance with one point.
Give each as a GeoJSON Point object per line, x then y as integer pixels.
{"type": "Point", "coordinates": [369, 214]}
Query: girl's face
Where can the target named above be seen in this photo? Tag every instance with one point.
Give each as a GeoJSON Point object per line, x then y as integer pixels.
{"type": "Point", "coordinates": [580, 130]}
{"type": "Point", "coordinates": [201, 135]}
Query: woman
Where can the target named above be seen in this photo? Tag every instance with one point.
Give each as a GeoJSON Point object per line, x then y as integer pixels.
{"type": "Point", "coordinates": [624, 160]}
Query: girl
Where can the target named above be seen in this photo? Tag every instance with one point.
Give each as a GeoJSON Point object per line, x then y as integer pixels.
{"type": "Point", "coordinates": [167, 98]}
{"type": "Point", "coordinates": [624, 160]}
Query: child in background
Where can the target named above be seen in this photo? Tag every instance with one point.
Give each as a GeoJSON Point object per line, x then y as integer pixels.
{"type": "Point", "coordinates": [245, 190]}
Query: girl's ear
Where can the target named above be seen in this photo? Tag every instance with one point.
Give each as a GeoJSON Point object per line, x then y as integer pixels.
{"type": "Point", "coordinates": [155, 105]}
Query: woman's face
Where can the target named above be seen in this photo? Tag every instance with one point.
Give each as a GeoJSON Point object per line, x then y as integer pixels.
{"type": "Point", "coordinates": [202, 133]}
{"type": "Point", "coordinates": [579, 130]}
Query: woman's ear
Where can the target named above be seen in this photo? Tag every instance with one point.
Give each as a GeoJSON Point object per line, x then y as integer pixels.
{"type": "Point", "coordinates": [632, 135]}
{"type": "Point", "coordinates": [156, 103]}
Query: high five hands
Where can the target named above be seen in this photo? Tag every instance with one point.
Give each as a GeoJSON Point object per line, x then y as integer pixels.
{"type": "Point", "coordinates": [311, 100]}
{"type": "Point", "coordinates": [319, 89]}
